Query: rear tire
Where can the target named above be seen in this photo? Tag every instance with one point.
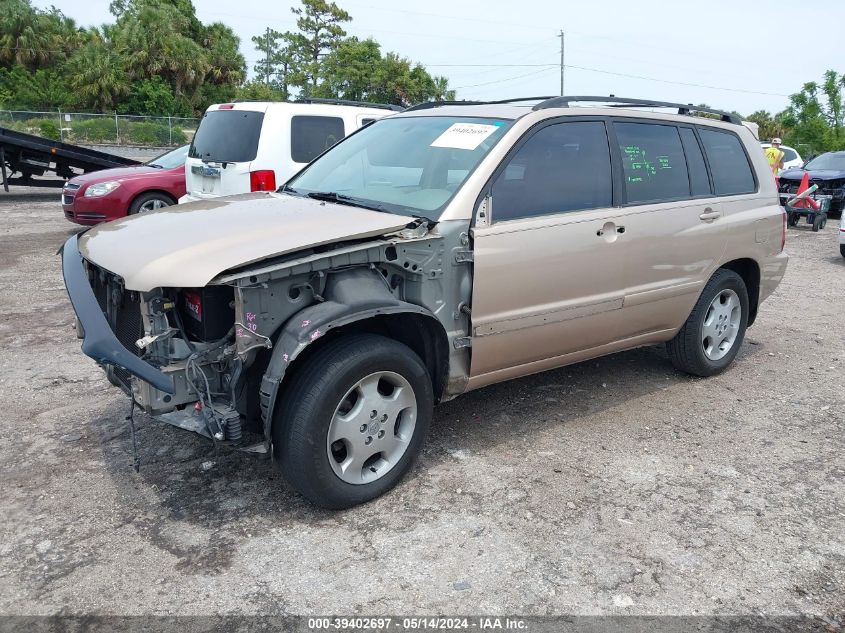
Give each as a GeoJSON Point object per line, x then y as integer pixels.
{"type": "Point", "coordinates": [842, 250]}
{"type": "Point", "coordinates": [334, 394]}
{"type": "Point", "coordinates": [818, 222]}
{"type": "Point", "coordinates": [150, 202]}
{"type": "Point", "coordinates": [792, 219]}
{"type": "Point", "coordinates": [713, 333]}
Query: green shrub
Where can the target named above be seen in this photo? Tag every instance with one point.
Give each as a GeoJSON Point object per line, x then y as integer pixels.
{"type": "Point", "coordinates": [153, 133]}
{"type": "Point", "coordinates": [98, 130]}
{"type": "Point", "coordinates": [49, 129]}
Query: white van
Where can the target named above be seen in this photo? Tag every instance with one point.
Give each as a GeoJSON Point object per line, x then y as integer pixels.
{"type": "Point", "coordinates": [257, 146]}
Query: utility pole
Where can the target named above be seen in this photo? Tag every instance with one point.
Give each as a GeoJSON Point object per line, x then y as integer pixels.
{"type": "Point", "coordinates": [267, 59]}
{"type": "Point", "coordinates": [562, 65]}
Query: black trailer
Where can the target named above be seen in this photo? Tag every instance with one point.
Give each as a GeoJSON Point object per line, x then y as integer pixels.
{"type": "Point", "coordinates": [30, 155]}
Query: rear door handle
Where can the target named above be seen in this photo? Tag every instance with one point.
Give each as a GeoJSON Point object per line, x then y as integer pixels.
{"type": "Point", "coordinates": [709, 215]}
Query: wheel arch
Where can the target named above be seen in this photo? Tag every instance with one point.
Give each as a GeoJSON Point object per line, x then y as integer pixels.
{"type": "Point", "coordinates": [144, 192]}
{"type": "Point", "coordinates": [749, 270]}
{"type": "Point", "coordinates": [374, 310]}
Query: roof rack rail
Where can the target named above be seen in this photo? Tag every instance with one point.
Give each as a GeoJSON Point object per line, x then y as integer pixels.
{"type": "Point", "coordinates": [518, 100]}
{"type": "Point", "coordinates": [347, 102]}
{"type": "Point", "coordinates": [425, 105]}
{"type": "Point", "coordinates": [621, 102]}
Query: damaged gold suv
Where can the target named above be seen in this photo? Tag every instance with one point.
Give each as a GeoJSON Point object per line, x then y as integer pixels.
{"type": "Point", "coordinates": [436, 251]}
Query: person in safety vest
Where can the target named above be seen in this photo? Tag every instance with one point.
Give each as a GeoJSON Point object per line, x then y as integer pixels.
{"type": "Point", "coordinates": [775, 157]}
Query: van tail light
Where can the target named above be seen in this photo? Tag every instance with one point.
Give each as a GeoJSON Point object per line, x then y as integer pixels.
{"type": "Point", "coordinates": [226, 106]}
{"type": "Point", "coordinates": [263, 180]}
{"type": "Point", "coordinates": [783, 230]}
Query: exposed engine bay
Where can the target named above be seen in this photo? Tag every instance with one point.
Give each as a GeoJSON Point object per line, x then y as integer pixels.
{"type": "Point", "coordinates": [224, 348]}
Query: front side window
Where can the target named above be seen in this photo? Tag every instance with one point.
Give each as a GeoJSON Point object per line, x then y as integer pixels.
{"type": "Point", "coordinates": [562, 167]}
{"type": "Point", "coordinates": [310, 136]}
{"type": "Point", "coordinates": [653, 162]}
{"type": "Point", "coordinates": [728, 163]}
{"type": "Point", "coordinates": [410, 165]}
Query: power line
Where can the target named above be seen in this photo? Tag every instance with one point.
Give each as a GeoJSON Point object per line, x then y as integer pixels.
{"type": "Point", "coordinates": [677, 83]}
{"type": "Point", "coordinates": [487, 83]}
{"type": "Point", "coordinates": [485, 65]}
{"type": "Point", "coordinates": [543, 68]}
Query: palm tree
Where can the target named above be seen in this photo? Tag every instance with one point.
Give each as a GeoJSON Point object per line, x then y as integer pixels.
{"type": "Point", "coordinates": [97, 76]}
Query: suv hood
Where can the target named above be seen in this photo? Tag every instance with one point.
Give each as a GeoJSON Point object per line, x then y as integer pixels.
{"type": "Point", "coordinates": [187, 245]}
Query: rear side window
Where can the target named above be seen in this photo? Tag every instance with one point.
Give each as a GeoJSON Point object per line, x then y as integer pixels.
{"type": "Point", "coordinates": [653, 162]}
{"type": "Point", "coordinates": [310, 136]}
{"type": "Point", "coordinates": [788, 154]}
{"type": "Point", "coordinates": [227, 136]}
{"type": "Point", "coordinates": [698, 180]}
{"type": "Point", "coordinates": [562, 167]}
{"type": "Point", "coordinates": [728, 163]}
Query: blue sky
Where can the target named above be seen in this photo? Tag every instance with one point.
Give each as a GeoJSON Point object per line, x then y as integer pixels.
{"type": "Point", "coordinates": [740, 55]}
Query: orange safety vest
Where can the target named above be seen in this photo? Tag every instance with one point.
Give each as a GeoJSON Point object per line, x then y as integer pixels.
{"type": "Point", "coordinates": [774, 156]}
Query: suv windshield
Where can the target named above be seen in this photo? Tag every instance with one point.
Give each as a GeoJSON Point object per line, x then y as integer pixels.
{"type": "Point", "coordinates": [171, 159]}
{"type": "Point", "coordinates": [406, 165]}
{"type": "Point", "coordinates": [227, 136]}
{"type": "Point", "coordinates": [828, 161]}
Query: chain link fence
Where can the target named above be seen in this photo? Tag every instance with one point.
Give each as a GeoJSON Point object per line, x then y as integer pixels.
{"type": "Point", "coordinates": [102, 129]}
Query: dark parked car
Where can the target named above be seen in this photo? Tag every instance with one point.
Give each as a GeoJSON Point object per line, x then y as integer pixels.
{"type": "Point", "coordinates": [827, 171]}
{"type": "Point", "coordinates": [115, 193]}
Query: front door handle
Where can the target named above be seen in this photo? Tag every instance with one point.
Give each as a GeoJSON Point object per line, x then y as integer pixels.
{"type": "Point", "coordinates": [709, 215]}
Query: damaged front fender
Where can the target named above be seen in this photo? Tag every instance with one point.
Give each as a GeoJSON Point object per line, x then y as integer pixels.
{"type": "Point", "coordinates": [350, 296]}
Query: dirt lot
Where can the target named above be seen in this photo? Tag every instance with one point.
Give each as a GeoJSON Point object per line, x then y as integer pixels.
{"type": "Point", "coordinates": [614, 486]}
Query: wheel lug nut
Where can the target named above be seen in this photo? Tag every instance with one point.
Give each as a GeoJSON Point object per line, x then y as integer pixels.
{"type": "Point", "coordinates": [384, 417]}
{"type": "Point", "coordinates": [381, 434]}
{"type": "Point", "coordinates": [363, 428]}
{"type": "Point", "coordinates": [369, 440]}
{"type": "Point", "coordinates": [373, 414]}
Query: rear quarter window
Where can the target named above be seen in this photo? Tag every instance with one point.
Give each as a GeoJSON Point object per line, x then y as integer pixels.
{"type": "Point", "coordinates": [729, 166]}
{"type": "Point", "coordinates": [310, 136]}
{"type": "Point", "coordinates": [227, 136]}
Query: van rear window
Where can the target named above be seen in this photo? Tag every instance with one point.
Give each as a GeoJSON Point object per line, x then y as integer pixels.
{"type": "Point", "coordinates": [227, 136]}
{"type": "Point", "coordinates": [310, 136]}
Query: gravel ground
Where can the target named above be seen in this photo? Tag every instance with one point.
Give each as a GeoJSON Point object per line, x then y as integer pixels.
{"type": "Point", "coordinates": [616, 486]}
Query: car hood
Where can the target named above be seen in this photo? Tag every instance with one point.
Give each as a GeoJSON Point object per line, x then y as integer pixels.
{"type": "Point", "coordinates": [815, 174]}
{"type": "Point", "coordinates": [187, 245]}
{"type": "Point", "coordinates": [116, 173]}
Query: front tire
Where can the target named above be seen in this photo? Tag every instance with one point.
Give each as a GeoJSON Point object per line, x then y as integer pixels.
{"type": "Point", "coordinates": [149, 202]}
{"type": "Point", "coordinates": [352, 420]}
{"type": "Point", "coordinates": [713, 333]}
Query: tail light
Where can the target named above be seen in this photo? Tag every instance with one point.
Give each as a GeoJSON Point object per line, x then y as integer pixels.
{"type": "Point", "coordinates": [263, 180]}
{"type": "Point", "coordinates": [226, 106]}
{"type": "Point", "coordinates": [783, 229]}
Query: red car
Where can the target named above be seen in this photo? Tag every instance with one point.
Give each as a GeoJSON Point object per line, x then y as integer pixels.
{"type": "Point", "coordinates": [114, 193]}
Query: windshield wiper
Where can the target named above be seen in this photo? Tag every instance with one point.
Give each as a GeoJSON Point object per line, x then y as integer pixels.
{"type": "Point", "coordinates": [339, 198]}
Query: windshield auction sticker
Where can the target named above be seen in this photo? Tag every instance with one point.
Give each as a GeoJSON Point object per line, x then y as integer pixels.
{"type": "Point", "coordinates": [464, 135]}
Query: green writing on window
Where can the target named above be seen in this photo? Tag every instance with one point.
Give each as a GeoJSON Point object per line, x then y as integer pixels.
{"type": "Point", "coordinates": [640, 167]}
